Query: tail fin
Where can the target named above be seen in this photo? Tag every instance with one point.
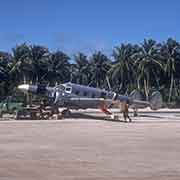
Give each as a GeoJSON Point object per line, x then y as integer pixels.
{"type": "Point", "coordinates": [156, 100]}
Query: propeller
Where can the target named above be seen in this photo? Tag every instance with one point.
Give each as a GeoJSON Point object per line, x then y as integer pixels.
{"type": "Point", "coordinates": [58, 96]}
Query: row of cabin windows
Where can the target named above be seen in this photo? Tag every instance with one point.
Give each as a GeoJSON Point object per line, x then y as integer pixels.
{"type": "Point", "coordinates": [103, 94]}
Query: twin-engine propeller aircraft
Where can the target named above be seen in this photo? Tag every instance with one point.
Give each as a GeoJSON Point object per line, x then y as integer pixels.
{"type": "Point", "coordinates": [75, 96]}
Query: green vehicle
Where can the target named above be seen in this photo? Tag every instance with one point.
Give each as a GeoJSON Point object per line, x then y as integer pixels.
{"type": "Point", "coordinates": [10, 106]}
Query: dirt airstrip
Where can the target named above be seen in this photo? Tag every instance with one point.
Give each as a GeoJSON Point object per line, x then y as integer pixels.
{"type": "Point", "coordinates": [82, 148]}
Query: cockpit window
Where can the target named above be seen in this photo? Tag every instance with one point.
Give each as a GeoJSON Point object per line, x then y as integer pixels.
{"type": "Point", "coordinates": [61, 87]}
{"type": "Point", "coordinates": [68, 89]}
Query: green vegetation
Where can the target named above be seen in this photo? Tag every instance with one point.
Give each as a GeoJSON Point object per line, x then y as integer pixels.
{"type": "Point", "coordinates": [10, 106]}
{"type": "Point", "coordinates": [147, 67]}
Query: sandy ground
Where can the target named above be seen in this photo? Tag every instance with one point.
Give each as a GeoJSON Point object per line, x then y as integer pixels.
{"type": "Point", "coordinates": [91, 149]}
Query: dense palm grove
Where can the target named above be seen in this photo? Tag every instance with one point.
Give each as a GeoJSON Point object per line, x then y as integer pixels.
{"type": "Point", "coordinates": [147, 67]}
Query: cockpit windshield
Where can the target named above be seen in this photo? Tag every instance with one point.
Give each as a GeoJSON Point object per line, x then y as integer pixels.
{"type": "Point", "coordinates": [60, 87]}
{"type": "Point", "coordinates": [64, 87]}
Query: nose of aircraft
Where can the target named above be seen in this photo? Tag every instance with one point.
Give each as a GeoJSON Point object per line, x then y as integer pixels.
{"type": "Point", "coordinates": [24, 87]}
{"type": "Point", "coordinates": [27, 88]}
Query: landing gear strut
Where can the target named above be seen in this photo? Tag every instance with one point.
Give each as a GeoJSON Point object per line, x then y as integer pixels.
{"type": "Point", "coordinates": [135, 112]}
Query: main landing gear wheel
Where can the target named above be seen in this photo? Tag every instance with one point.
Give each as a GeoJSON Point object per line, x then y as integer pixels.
{"type": "Point", "coordinates": [66, 112]}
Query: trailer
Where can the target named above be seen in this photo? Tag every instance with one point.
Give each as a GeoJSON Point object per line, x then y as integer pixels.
{"type": "Point", "coordinates": [34, 113]}
{"type": "Point", "coordinates": [11, 107]}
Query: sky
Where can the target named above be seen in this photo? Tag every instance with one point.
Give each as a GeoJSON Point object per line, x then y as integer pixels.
{"type": "Point", "coordinates": [86, 25]}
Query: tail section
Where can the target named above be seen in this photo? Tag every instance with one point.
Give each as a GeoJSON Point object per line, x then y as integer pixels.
{"type": "Point", "coordinates": [137, 100]}
{"type": "Point", "coordinates": [156, 100]}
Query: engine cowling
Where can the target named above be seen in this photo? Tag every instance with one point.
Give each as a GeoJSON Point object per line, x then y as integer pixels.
{"type": "Point", "coordinates": [58, 97]}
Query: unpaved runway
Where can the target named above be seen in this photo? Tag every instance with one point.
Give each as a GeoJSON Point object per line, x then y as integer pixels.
{"type": "Point", "coordinates": [148, 148]}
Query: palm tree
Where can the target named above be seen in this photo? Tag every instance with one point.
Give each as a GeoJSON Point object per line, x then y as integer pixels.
{"type": "Point", "coordinates": [4, 65]}
{"type": "Point", "coordinates": [21, 68]}
{"type": "Point", "coordinates": [171, 55]}
{"type": "Point", "coordinates": [39, 57]}
{"type": "Point", "coordinates": [5, 83]}
{"type": "Point", "coordinates": [148, 65]}
{"type": "Point", "coordinates": [81, 72]}
{"type": "Point", "coordinates": [122, 72]}
{"type": "Point", "coordinates": [99, 66]}
{"type": "Point", "coordinates": [58, 68]}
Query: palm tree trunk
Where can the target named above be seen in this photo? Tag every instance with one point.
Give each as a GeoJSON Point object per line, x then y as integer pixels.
{"type": "Point", "coordinates": [146, 89]}
{"type": "Point", "coordinates": [36, 79]}
{"type": "Point", "coordinates": [138, 83]}
{"type": "Point", "coordinates": [24, 78]}
{"type": "Point", "coordinates": [171, 88]}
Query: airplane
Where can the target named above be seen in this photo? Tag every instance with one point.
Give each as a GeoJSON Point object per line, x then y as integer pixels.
{"type": "Point", "coordinates": [76, 96]}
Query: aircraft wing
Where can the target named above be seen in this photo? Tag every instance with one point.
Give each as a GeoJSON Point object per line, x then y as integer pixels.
{"type": "Point", "coordinates": [98, 102]}
{"type": "Point", "coordinates": [139, 104]}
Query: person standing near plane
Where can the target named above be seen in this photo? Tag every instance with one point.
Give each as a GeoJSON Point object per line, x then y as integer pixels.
{"type": "Point", "coordinates": [125, 111]}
